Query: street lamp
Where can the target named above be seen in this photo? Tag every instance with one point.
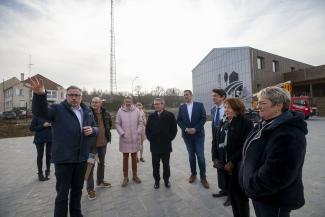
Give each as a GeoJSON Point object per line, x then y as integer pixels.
{"type": "Point", "coordinates": [135, 78]}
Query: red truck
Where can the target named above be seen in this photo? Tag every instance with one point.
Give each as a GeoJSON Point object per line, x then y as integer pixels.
{"type": "Point", "coordinates": [302, 104]}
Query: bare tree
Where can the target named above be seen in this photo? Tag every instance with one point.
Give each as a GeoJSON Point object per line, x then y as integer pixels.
{"type": "Point", "coordinates": [158, 91]}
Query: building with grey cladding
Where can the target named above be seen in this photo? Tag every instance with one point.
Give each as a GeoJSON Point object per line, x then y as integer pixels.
{"type": "Point", "coordinates": [241, 71]}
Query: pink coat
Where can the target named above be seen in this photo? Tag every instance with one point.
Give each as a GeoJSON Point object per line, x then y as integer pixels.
{"type": "Point", "coordinates": [129, 126]}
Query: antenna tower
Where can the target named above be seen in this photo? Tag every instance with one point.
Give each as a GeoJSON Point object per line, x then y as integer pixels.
{"type": "Point", "coordinates": [113, 86]}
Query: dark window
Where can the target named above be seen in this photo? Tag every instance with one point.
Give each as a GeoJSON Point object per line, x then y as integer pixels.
{"type": "Point", "coordinates": [293, 68]}
{"type": "Point", "coordinates": [275, 66]}
{"type": "Point", "coordinates": [318, 90]}
{"type": "Point", "coordinates": [260, 62]}
{"type": "Point", "coordinates": [258, 86]}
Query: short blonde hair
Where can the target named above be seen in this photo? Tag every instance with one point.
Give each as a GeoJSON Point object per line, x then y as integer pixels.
{"type": "Point", "coordinates": [277, 96]}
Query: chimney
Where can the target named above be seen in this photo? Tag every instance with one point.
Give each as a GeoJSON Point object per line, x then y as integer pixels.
{"type": "Point", "coordinates": [22, 75]}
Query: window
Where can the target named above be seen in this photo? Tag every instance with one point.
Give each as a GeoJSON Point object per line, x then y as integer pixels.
{"type": "Point", "coordinates": [51, 94]}
{"type": "Point", "coordinates": [19, 92]}
{"type": "Point", "coordinates": [293, 68]}
{"type": "Point", "coordinates": [260, 62]}
{"type": "Point", "coordinates": [8, 93]}
{"type": "Point", "coordinates": [300, 102]}
{"type": "Point", "coordinates": [275, 66]}
{"type": "Point", "coordinates": [258, 86]}
{"type": "Point", "coordinates": [8, 104]}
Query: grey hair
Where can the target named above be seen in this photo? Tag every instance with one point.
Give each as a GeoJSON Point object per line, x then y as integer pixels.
{"type": "Point", "coordinates": [276, 95]}
{"type": "Point", "coordinates": [160, 100]}
{"type": "Point", "coordinates": [97, 99]}
{"type": "Point", "coordinates": [128, 97]}
{"type": "Point", "coordinates": [75, 88]}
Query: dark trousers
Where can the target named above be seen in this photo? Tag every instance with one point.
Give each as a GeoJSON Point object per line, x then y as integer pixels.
{"type": "Point", "coordinates": [265, 210]}
{"type": "Point", "coordinates": [195, 149]}
{"type": "Point", "coordinates": [223, 176]}
{"type": "Point", "coordinates": [69, 179]}
{"type": "Point", "coordinates": [101, 151]}
{"type": "Point", "coordinates": [239, 200]}
{"type": "Point", "coordinates": [164, 157]}
{"type": "Point", "coordinates": [223, 180]}
{"type": "Point", "coordinates": [40, 153]}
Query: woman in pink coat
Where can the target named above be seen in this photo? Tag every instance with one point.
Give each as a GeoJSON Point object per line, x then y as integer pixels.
{"type": "Point", "coordinates": [129, 126]}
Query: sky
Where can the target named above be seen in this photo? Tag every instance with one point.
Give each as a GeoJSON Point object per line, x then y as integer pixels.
{"type": "Point", "coordinates": [157, 41]}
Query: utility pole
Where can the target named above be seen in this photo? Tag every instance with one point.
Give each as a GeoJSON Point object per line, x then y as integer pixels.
{"type": "Point", "coordinates": [30, 65]}
{"type": "Point", "coordinates": [113, 86]}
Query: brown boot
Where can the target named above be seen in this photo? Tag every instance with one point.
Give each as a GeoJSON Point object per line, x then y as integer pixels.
{"type": "Point", "coordinates": [125, 164]}
{"type": "Point", "coordinates": [191, 179]}
{"type": "Point", "coordinates": [134, 158]}
{"type": "Point", "coordinates": [205, 183]}
{"type": "Point", "coordinates": [136, 179]}
{"type": "Point", "coordinates": [125, 169]}
{"type": "Point", "coordinates": [125, 182]}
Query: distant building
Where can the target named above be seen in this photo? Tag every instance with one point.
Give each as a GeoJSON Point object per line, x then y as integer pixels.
{"type": "Point", "coordinates": [309, 82]}
{"type": "Point", "coordinates": [240, 71]}
{"type": "Point", "coordinates": [14, 93]}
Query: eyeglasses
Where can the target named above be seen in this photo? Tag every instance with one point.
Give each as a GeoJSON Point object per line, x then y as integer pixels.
{"type": "Point", "coordinates": [72, 94]}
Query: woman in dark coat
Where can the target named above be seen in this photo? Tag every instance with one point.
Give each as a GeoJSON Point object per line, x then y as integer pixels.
{"type": "Point", "coordinates": [42, 137]}
{"type": "Point", "coordinates": [230, 139]}
{"type": "Point", "coordinates": [273, 156]}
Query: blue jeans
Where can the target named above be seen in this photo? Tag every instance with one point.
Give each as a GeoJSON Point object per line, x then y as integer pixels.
{"type": "Point", "coordinates": [100, 169]}
{"type": "Point", "coordinates": [69, 179]}
{"type": "Point", "coordinates": [195, 149]}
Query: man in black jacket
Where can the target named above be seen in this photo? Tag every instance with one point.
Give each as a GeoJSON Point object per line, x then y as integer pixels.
{"type": "Point", "coordinates": [161, 129]}
{"type": "Point", "coordinates": [73, 128]}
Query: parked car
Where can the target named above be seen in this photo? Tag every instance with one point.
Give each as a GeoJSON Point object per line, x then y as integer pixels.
{"type": "Point", "coordinates": [252, 115]}
{"type": "Point", "coordinates": [29, 114]}
{"type": "Point", "coordinates": [9, 115]}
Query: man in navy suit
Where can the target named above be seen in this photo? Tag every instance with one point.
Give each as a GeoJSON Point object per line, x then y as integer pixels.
{"type": "Point", "coordinates": [217, 113]}
{"type": "Point", "coordinates": [191, 118]}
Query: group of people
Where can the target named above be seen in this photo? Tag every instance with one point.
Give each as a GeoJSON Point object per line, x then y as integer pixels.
{"type": "Point", "coordinates": [262, 162]}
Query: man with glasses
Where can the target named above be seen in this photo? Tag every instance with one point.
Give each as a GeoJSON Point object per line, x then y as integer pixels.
{"type": "Point", "coordinates": [104, 123]}
{"type": "Point", "coordinates": [73, 129]}
{"type": "Point", "coordinates": [161, 129]}
{"type": "Point", "coordinates": [191, 119]}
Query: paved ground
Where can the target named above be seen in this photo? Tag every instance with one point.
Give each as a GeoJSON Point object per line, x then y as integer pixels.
{"type": "Point", "coordinates": [22, 195]}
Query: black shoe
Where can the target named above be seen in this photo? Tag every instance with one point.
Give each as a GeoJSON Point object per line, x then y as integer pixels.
{"type": "Point", "coordinates": [220, 194]}
{"type": "Point", "coordinates": [227, 202]}
{"type": "Point", "coordinates": [41, 177]}
{"type": "Point", "coordinates": [167, 184]}
{"type": "Point", "coordinates": [47, 174]}
{"type": "Point", "coordinates": [156, 186]}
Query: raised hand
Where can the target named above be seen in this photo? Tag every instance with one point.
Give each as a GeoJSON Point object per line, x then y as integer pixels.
{"type": "Point", "coordinates": [36, 85]}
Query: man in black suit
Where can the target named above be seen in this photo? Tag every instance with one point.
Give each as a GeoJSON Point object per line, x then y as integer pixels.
{"type": "Point", "coordinates": [161, 129]}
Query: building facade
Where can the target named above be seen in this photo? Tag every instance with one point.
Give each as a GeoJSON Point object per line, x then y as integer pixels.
{"type": "Point", "coordinates": [15, 95]}
{"type": "Point", "coordinates": [309, 82]}
{"type": "Point", "coordinates": [240, 71]}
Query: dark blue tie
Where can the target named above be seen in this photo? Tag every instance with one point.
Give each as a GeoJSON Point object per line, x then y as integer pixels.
{"type": "Point", "coordinates": [217, 117]}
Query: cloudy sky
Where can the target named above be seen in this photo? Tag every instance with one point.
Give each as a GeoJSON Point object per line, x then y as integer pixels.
{"type": "Point", "coordinates": [160, 41]}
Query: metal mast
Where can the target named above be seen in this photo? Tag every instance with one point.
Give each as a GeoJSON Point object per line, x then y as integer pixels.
{"type": "Point", "coordinates": [30, 65]}
{"type": "Point", "coordinates": [113, 86]}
